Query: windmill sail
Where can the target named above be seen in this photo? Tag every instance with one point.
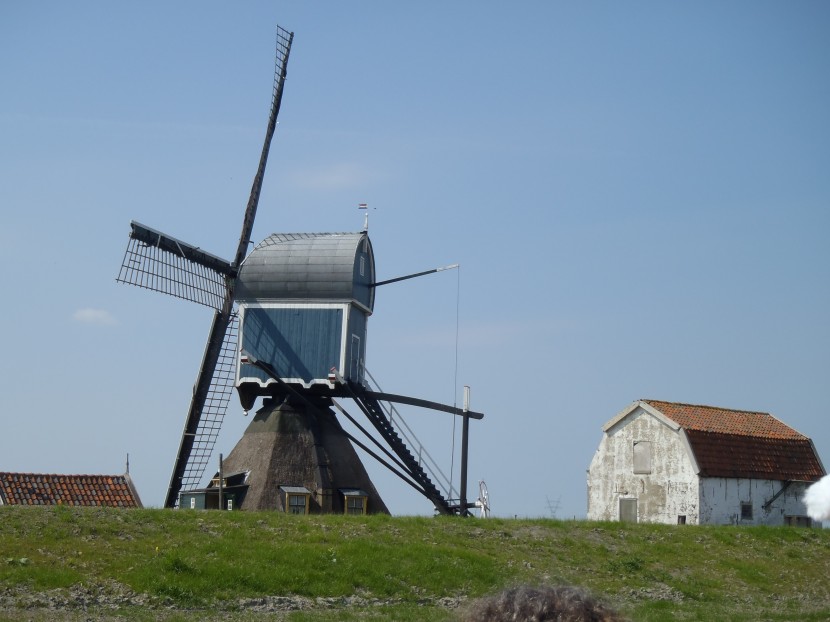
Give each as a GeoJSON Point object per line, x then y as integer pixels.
{"type": "Point", "coordinates": [200, 433]}
{"type": "Point", "coordinates": [223, 318]}
{"type": "Point", "coordinates": [162, 263]}
{"type": "Point", "coordinates": [157, 261]}
{"type": "Point", "coordinates": [284, 39]}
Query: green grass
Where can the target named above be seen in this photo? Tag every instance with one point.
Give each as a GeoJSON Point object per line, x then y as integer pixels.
{"type": "Point", "coordinates": [210, 565]}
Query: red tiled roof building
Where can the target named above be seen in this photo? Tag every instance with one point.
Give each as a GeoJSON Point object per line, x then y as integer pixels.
{"type": "Point", "coordinates": [74, 490]}
{"type": "Point", "coordinates": [668, 462]}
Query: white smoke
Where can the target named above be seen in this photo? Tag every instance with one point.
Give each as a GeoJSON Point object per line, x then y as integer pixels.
{"type": "Point", "coordinates": [817, 499]}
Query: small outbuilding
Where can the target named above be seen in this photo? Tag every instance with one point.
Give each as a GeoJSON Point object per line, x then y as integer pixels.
{"type": "Point", "coordinates": [664, 462]}
{"type": "Point", "coordinates": [115, 491]}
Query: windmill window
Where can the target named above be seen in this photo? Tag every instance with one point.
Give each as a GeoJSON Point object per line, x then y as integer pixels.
{"type": "Point", "coordinates": [362, 266]}
{"type": "Point", "coordinates": [746, 511]}
{"type": "Point", "coordinates": [297, 504]}
{"type": "Point", "coordinates": [295, 499]}
{"type": "Point", "coordinates": [192, 503]}
{"type": "Point", "coordinates": [356, 501]}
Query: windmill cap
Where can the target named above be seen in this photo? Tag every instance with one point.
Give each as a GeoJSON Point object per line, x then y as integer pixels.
{"type": "Point", "coordinates": [309, 266]}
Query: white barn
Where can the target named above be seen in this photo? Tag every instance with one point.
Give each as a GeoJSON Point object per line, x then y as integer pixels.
{"type": "Point", "coordinates": [662, 462]}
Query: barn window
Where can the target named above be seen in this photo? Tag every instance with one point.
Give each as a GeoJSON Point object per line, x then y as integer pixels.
{"type": "Point", "coordinates": [681, 519]}
{"type": "Point", "coordinates": [642, 457]}
{"type": "Point", "coordinates": [746, 511]}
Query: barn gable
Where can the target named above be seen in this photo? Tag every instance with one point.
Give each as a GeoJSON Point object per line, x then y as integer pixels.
{"type": "Point", "coordinates": [671, 428]}
{"type": "Point", "coordinates": [75, 490]}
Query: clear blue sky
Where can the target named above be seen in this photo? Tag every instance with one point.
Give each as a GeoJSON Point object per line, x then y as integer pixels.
{"type": "Point", "coordinates": [637, 193]}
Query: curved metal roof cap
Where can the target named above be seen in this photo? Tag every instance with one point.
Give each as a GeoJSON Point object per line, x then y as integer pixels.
{"type": "Point", "coordinates": [309, 266]}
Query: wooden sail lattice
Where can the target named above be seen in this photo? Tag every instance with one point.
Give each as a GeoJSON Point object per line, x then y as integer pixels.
{"type": "Point", "coordinates": [213, 411]}
{"type": "Point", "coordinates": [156, 261]}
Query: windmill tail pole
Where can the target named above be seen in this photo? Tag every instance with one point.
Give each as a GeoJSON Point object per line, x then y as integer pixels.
{"type": "Point", "coordinates": [284, 39]}
{"type": "Point", "coordinates": [412, 276]}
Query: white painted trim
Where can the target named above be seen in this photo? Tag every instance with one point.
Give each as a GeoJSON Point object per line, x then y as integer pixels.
{"type": "Point", "coordinates": [625, 412]}
{"type": "Point", "coordinates": [784, 424]}
{"type": "Point", "coordinates": [620, 416]}
{"type": "Point", "coordinates": [684, 439]}
{"type": "Point", "coordinates": [361, 306]}
{"type": "Point", "coordinates": [244, 306]}
{"type": "Point", "coordinates": [294, 304]}
{"type": "Point", "coordinates": [818, 458]}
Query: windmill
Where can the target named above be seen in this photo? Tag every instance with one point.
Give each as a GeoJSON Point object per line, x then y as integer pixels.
{"type": "Point", "coordinates": [289, 327]}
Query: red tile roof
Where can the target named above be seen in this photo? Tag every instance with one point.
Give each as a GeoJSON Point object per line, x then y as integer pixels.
{"type": "Point", "coordinates": [84, 490]}
{"type": "Point", "coordinates": [724, 420]}
{"type": "Point", "coordinates": [743, 444]}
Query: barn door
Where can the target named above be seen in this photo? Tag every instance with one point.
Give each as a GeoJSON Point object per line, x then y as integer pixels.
{"type": "Point", "coordinates": [628, 510]}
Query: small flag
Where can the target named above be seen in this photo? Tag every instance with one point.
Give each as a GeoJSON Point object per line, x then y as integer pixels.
{"type": "Point", "coordinates": [363, 206]}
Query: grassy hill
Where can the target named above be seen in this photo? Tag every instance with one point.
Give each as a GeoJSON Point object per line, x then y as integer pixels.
{"type": "Point", "coordinates": [81, 564]}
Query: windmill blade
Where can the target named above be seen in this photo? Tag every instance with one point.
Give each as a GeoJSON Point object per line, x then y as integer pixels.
{"type": "Point", "coordinates": [162, 263]}
{"type": "Point", "coordinates": [284, 39]}
{"type": "Point", "coordinates": [222, 320]}
{"type": "Point", "coordinates": [206, 413]}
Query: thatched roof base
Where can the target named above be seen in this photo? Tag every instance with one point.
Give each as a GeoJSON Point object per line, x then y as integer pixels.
{"type": "Point", "coordinates": [298, 445]}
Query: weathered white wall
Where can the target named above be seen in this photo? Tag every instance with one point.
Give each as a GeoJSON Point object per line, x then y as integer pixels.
{"type": "Point", "coordinates": [670, 490]}
{"type": "Point", "coordinates": [721, 498]}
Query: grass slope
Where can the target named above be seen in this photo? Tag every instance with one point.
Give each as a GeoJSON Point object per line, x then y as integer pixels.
{"type": "Point", "coordinates": [182, 565]}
